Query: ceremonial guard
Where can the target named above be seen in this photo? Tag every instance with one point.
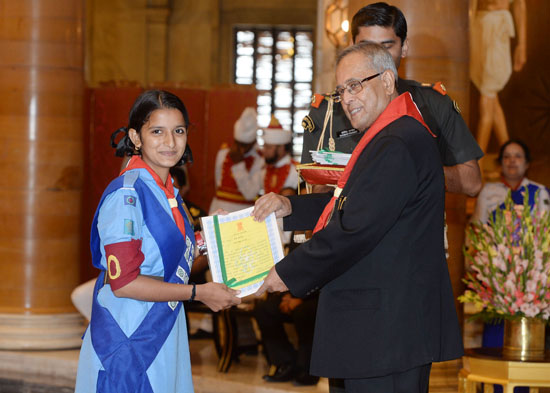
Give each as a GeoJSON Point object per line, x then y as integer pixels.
{"type": "Point", "coordinates": [238, 167]}
{"type": "Point", "coordinates": [280, 170]}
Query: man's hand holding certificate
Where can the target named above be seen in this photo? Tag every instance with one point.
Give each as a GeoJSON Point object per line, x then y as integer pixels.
{"type": "Point", "coordinates": [241, 250]}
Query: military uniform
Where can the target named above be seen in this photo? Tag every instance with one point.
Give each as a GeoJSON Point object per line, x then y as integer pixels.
{"type": "Point", "coordinates": [455, 141]}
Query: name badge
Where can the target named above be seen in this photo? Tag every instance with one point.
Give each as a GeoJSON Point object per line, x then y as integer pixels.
{"type": "Point", "coordinates": [346, 133]}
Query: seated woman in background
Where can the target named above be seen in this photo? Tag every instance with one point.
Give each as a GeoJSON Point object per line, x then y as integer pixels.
{"type": "Point", "coordinates": [514, 159]}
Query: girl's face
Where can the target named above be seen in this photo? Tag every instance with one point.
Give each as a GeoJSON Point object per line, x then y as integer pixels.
{"type": "Point", "coordinates": [162, 140]}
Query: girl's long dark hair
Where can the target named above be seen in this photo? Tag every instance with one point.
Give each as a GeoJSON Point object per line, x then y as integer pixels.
{"type": "Point", "coordinates": [145, 104]}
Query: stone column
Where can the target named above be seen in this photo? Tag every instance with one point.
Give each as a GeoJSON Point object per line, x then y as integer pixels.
{"type": "Point", "coordinates": [41, 89]}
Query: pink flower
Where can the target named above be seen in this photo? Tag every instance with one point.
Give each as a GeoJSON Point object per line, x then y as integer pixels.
{"type": "Point", "coordinates": [531, 285]}
{"type": "Point", "coordinates": [507, 217]}
{"type": "Point", "coordinates": [519, 294]}
{"type": "Point", "coordinates": [529, 310]}
{"type": "Point", "coordinates": [518, 302]}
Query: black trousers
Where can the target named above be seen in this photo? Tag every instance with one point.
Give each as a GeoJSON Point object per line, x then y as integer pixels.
{"type": "Point", "coordinates": [277, 346]}
{"type": "Point", "coordinates": [415, 380]}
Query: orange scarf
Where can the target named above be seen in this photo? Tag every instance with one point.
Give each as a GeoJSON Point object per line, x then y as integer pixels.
{"type": "Point", "coordinates": [401, 106]}
{"type": "Point", "coordinates": [168, 188]}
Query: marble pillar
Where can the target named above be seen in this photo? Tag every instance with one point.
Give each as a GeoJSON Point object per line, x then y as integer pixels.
{"type": "Point", "coordinates": [41, 89]}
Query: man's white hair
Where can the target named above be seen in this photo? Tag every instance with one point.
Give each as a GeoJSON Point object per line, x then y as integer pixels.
{"type": "Point", "coordinates": [378, 57]}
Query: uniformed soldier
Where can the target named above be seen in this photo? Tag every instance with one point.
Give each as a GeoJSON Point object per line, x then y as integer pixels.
{"type": "Point", "coordinates": [386, 25]}
{"type": "Point", "coordinates": [238, 167]}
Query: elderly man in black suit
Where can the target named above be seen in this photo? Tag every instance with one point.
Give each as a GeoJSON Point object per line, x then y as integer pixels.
{"type": "Point", "coordinates": [386, 309]}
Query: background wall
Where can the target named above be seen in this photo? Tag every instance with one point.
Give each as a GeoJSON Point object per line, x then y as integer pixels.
{"type": "Point", "coordinates": [181, 41]}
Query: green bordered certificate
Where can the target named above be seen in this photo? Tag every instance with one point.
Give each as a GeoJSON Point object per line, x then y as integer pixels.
{"type": "Point", "coordinates": [240, 250]}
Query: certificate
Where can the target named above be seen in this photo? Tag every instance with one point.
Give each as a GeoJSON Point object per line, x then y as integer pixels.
{"type": "Point", "coordinates": [241, 251]}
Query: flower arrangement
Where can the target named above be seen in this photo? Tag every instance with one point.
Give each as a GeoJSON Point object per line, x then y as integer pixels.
{"type": "Point", "coordinates": [508, 263]}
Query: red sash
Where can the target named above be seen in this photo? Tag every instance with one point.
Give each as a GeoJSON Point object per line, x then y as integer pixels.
{"type": "Point", "coordinates": [401, 106]}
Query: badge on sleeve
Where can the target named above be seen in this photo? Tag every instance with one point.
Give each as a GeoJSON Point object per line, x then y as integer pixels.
{"type": "Point", "coordinates": [113, 267]}
{"type": "Point", "coordinates": [307, 124]}
{"type": "Point", "coordinates": [129, 200]}
{"type": "Point", "coordinates": [129, 227]}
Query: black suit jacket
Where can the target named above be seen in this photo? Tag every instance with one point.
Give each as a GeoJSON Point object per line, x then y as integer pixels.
{"type": "Point", "coordinates": [386, 302]}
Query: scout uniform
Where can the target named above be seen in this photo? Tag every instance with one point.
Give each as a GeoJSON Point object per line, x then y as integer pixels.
{"type": "Point", "coordinates": [238, 184]}
{"type": "Point", "coordinates": [492, 196]}
{"type": "Point", "coordinates": [133, 345]}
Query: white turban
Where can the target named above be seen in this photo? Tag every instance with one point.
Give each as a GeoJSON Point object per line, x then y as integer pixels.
{"type": "Point", "coordinates": [275, 134]}
{"type": "Point", "coordinates": [246, 127]}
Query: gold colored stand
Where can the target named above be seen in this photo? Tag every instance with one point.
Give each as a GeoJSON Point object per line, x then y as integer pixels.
{"type": "Point", "coordinates": [489, 366]}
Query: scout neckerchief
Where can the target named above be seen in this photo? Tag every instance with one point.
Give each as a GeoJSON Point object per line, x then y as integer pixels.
{"type": "Point", "coordinates": [168, 188]}
{"type": "Point", "coordinates": [401, 106]}
{"type": "Point", "coordinates": [517, 187]}
{"type": "Point", "coordinates": [126, 359]}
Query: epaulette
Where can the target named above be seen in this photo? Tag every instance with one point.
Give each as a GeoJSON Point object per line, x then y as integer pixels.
{"type": "Point", "coordinates": [437, 86]}
{"type": "Point", "coordinates": [224, 146]}
{"type": "Point", "coordinates": [130, 179]}
{"type": "Point", "coordinates": [316, 100]}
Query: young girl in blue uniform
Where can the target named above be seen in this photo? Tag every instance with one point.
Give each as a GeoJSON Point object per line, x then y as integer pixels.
{"type": "Point", "coordinates": [143, 243]}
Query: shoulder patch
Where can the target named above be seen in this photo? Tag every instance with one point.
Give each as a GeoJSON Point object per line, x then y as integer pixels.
{"type": "Point", "coordinates": [316, 100]}
{"type": "Point", "coordinates": [307, 124]}
{"type": "Point", "coordinates": [129, 227]}
{"type": "Point", "coordinates": [129, 200]}
{"type": "Point", "coordinates": [440, 88]}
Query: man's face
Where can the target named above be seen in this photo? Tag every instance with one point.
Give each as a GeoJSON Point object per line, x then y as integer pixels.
{"type": "Point", "coordinates": [244, 148]}
{"type": "Point", "coordinates": [386, 37]}
{"type": "Point", "coordinates": [363, 108]}
{"type": "Point", "coordinates": [272, 153]}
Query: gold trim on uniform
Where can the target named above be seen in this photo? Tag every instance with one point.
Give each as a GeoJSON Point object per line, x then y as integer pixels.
{"type": "Point", "coordinates": [307, 124]}
{"type": "Point", "coordinates": [455, 104]}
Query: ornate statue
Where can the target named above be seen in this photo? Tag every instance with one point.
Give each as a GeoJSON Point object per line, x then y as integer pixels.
{"type": "Point", "coordinates": [491, 61]}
